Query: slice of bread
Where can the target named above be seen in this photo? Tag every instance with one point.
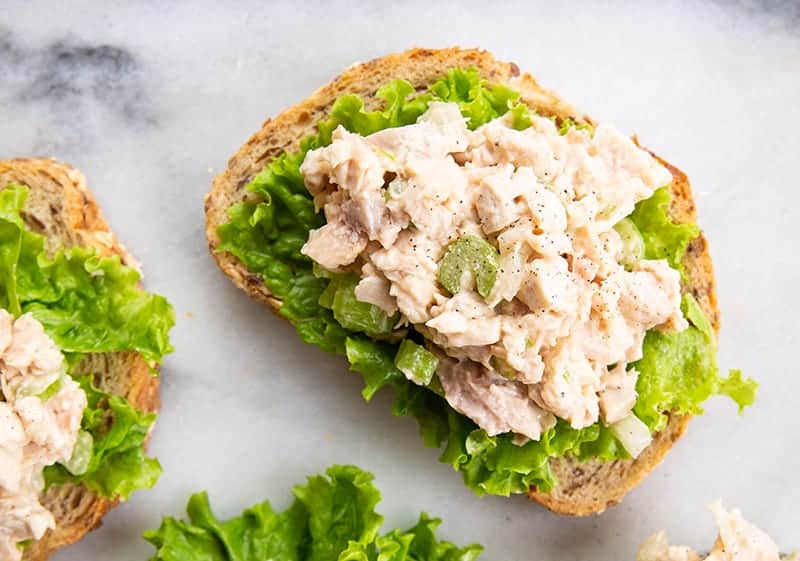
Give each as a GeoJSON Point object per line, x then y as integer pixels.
{"type": "Point", "coordinates": [584, 488]}
{"type": "Point", "coordinates": [61, 207]}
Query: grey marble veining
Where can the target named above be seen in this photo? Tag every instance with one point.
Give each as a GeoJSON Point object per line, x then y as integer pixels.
{"type": "Point", "coordinates": [66, 82]}
{"type": "Point", "coordinates": [782, 15]}
{"type": "Point", "coordinates": [150, 98]}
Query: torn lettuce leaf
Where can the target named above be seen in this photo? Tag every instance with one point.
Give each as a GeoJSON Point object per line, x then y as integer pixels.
{"type": "Point", "coordinates": [12, 235]}
{"type": "Point", "coordinates": [568, 124]}
{"type": "Point", "coordinates": [85, 302]}
{"type": "Point", "coordinates": [478, 100]}
{"type": "Point", "coordinates": [678, 371]}
{"type": "Point", "coordinates": [118, 465]}
{"type": "Point", "coordinates": [333, 518]}
{"type": "Point", "coordinates": [739, 389]}
{"type": "Point", "coordinates": [267, 242]}
{"type": "Point", "coordinates": [400, 108]}
{"type": "Point", "coordinates": [663, 238]}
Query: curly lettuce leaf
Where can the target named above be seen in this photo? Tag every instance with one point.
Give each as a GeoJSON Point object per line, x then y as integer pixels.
{"type": "Point", "coordinates": [569, 123]}
{"type": "Point", "coordinates": [479, 101]}
{"type": "Point", "coordinates": [520, 117]}
{"type": "Point", "coordinates": [259, 533]}
{"type": "Point", "coordinates": [118, 464]}
{"type": "Point", "coordinates": [341, 509]}
{"type": "Point", "coordinates": [741, 390]}
{"type": "Point", "coordinates": [679, 369]}
{"type": "Point", "coordinates": [494, 464]}
{"type": "Point", "coordinates": [415, 544]}
{"type": "Point", "coordinates": [332, 518]}
{"type": "Point", "coordinates": [12, 233]}
{"type": "Point", "coordinates": [678, 372]}
{"type": "Point", "coordinates": [86, 303]}
{"type": "Point", "coordinates": [426, 546]}
{"type": "Point", "coordinates": [375, 362]}
{"type": "Point", "coordinates": [399, 108]}
{"type": "Point", "coordinates": [663, 238]}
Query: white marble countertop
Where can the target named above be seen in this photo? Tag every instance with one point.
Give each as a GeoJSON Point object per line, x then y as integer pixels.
{"type": "Point", "coordinates": [150, 101]}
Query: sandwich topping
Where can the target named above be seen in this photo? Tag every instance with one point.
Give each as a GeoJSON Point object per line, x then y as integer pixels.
{"type": "Point", "coordinates": [40, 419]}
{"type": "Point", "coordinates": [738, 540]}
{"type": "Point", "coordinates": [509, 252]}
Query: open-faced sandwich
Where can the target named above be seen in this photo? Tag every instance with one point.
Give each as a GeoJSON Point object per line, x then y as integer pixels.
{"type": "Point", "coordinates": [79, 345]}
{"type": "Point", "coordinates": [531, 282]}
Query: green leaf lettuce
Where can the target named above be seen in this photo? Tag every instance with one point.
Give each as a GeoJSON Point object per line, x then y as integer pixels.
{"type": "Point", "coordinates": [86, 303]}
{"type": "Point", "coordinates": [118, 465]}
{"type": "Point", "coordinates": [332, 518]}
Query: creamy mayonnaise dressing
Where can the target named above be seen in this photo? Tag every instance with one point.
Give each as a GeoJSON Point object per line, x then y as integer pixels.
{"type": "Point", "coordinates": [564, 316]}
{"type": "Point", "coordinates": [34, 432]}
{"type": "Point", "coordinates": [738, 540]}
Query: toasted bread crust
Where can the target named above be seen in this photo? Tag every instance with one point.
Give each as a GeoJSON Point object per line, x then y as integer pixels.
{"type": "Point", "coordinates": [61, 207]}
{"type": "Point", "coordinates": [584, 488]}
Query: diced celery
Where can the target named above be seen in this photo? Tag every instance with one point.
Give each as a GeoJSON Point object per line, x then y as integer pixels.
{"type": "Point", "coordinates": [321, 272]}
{"type": "Point", "coordinates": [81, 454]}
{"type": "Point", "coordinates": [52, 389]}
{"type": "Point", "coordinates": [503, 368]}
{"type": "Point", "coordinates": [632, 242]}
{"type": "Point", "coordinates": [633, 434]}
{"type": "Point", "coordinates": [326, 298]}
{"type": "Point", "coordinates": [355, 315]}
{"type": "Point", "coordinates": [469, 253]}
{"type": "Point", "coordinates": [416, 362]}
{"type": "Point", "coordinates": [43, 387]}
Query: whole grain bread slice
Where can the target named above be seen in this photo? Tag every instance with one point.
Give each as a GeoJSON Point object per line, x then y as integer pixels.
{"type": "Point", "coordinates": [584, 488]}
{"type": "Point", "coordinates": [61, 207]}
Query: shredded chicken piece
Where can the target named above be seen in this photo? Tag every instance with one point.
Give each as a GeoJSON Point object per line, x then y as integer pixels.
{"type": "Point", "coordinates": [738, 540]}
{"type": "Point", "coordinates": [496, 404]}
{"type": "Point", "coordinates": [34, 432]}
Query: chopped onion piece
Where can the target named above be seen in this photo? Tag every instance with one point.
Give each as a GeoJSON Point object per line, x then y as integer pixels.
{"type": "Point", "coordinates": [633, 434]}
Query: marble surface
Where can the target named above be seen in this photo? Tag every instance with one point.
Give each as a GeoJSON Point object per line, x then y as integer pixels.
{"type": "Point", "coordinates": [150, 98]}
